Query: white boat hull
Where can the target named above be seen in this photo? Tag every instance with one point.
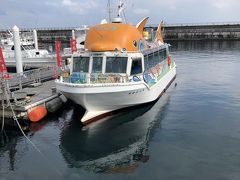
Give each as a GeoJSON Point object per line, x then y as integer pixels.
{"type": "Point", "coordinates": [100, 99]}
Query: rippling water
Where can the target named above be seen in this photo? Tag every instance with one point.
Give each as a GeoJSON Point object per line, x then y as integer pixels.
{"type": "Point", "coordinates": [192, 132]}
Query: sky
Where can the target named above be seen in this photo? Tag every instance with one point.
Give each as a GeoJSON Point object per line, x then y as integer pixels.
{"type": "Point", "coordinates": [75, 13]}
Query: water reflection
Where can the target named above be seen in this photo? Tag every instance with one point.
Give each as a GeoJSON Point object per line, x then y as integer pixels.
{"type": "Point", "coordinates": [8, 144]}
{"type": "Point", "coordinates": [117, 144]}
{"type": "Point", "coordinates": [10, 138]}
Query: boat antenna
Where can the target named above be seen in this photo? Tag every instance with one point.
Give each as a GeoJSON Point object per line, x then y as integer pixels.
{"type": "Point", "coordinates": [121, 10]}
{"type": "Point", "coordinates": [109, 11]}
{"type": "Point", "coordinates": [10, 33]}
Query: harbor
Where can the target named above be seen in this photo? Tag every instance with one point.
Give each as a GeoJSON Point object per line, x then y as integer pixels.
{"type": "Point", "coordinates": [93, 90]}
{"type": "Point", "coordinates": [193, 129]}
{"type": "Point", "coordinates": [21, 86]}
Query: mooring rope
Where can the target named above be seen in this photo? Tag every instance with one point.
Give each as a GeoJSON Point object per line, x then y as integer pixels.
{"type": "Point", "coordinates": [35, 147]}
{"type": "Point", "coordinates": [16, 120]}
{"type": "Point", "coordinates": [3, 120]}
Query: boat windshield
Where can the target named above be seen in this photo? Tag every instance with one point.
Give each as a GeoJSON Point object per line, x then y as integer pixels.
{"type": "Point", "coordinates": [102, 70]}
{"type": "Point", "coordinates": [97, 65]}
{"type": "Point", "coordinates": [81, 64]}
{"type": "Point", "coordinates": [116, 64]}
{"type": "Point", "coordinates": [136, 66]}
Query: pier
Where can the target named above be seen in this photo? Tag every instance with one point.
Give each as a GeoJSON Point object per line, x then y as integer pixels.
{"type": "Point", "coordinates": [217, 31]}
{"type": "Point", "coordinates": [24, 92]}
{"type": "Point", "coordinates": [27, 95]}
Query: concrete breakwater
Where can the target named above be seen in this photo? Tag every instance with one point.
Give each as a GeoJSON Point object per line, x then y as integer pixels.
{"type": "Point", "coordinates": [221, 31]}
{"type": "Point", "coordinates": [202, 32]}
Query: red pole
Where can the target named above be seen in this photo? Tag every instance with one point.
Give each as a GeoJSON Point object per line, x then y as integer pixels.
{"type": "Point", "coordinates": [3, 69]}
{"type": "Point", "coordinates": [73, 45]}
{"type": "Point", "coordinates": [58, 53]}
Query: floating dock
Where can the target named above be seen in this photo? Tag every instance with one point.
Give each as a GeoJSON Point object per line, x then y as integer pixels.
{"type": "Point", "coordinates": [26, 99]}
{"type": "Point", "coordinates": [25, 96]}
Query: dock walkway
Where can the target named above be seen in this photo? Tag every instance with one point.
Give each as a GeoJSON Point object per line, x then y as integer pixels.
{"type": "Point", "coordinates": [24, 92]}
{"type": "Point", "coordinates": [29, 98]}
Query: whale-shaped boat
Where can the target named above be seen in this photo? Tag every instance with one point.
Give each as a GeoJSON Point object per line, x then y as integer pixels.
{"type": "Point", "coordinates": [118, 68]}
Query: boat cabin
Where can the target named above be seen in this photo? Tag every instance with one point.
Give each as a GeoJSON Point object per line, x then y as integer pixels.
{"type": "Point", "coordinates": [117, 67]}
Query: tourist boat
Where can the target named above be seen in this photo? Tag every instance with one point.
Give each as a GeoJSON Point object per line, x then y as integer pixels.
{"type": "Point", "coordinates": [118, 68]}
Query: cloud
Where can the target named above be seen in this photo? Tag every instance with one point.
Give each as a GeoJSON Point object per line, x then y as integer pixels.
{"type": "Point", "coordinates": [50, 13]}
{"type": "Point", "coordinates": [141, 11]}
{"type": "Point", "coordinates": [69, 3]}
{"type": "Point", "coordinates": [50, 3]}
{"type": "Point", "coordinates": [221, 4]}
{"type": "Point", "coordinates": [79, 7]}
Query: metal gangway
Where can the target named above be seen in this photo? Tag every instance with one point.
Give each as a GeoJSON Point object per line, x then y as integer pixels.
{"type": "Point", "coordinates": [20, 80]}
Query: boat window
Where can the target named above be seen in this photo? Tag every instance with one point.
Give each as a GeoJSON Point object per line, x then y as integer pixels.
{"type": "Point", "coordinates": [80, 64]}
{"type": "Point", "coordinates": [136, 66]}
{"type": "Point", "coordinates": [151, 61]}
{"type": "Point", "coordinates": [163, 54]}
{"type": "Point", "coordinates": [97, 65]}
{"type": "Point", "coordinates": [156, 55]}
{"type": "Point", "coordinates": [116, 64]}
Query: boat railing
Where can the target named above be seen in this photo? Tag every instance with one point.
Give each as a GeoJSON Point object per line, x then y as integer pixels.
{"type": "Point", "coordinates": [95, 78]}
{"type": "Point", "coordinates": [108, 78]}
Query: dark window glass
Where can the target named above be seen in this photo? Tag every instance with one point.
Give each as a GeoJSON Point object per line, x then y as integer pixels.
{"type": "Point", "coordinates": [80, 64]}
{"type": "Point", "coordinates": [145, 62]}
{"type": "Point", "coordinates": [164, 54]}
{"type": "Point", "coordinates": [156, 58]}
{"type": "Point", "coordinates": [150, 60]}
{"type": "Point", "coordinates": [116, 64]}
{"type": "Point", "coordinates": [136, 66]}
{"type": "Point", "coordinates": [97, 65]}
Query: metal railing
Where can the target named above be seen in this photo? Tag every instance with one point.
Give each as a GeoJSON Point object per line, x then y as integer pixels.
{"type": "Point", "coordinates": [96, 78]}
{"type": "Point", "coordinates": [41, 28]}
{"type": "Point", "coordinates": [18, 81]}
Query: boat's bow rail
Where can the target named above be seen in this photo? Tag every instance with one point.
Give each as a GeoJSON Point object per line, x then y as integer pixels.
{"type": "Point", "coordinates": [97, 78]}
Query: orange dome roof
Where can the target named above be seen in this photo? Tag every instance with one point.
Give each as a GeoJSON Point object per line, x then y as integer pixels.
{"type": "Point", "coordinates": [114, 36]}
